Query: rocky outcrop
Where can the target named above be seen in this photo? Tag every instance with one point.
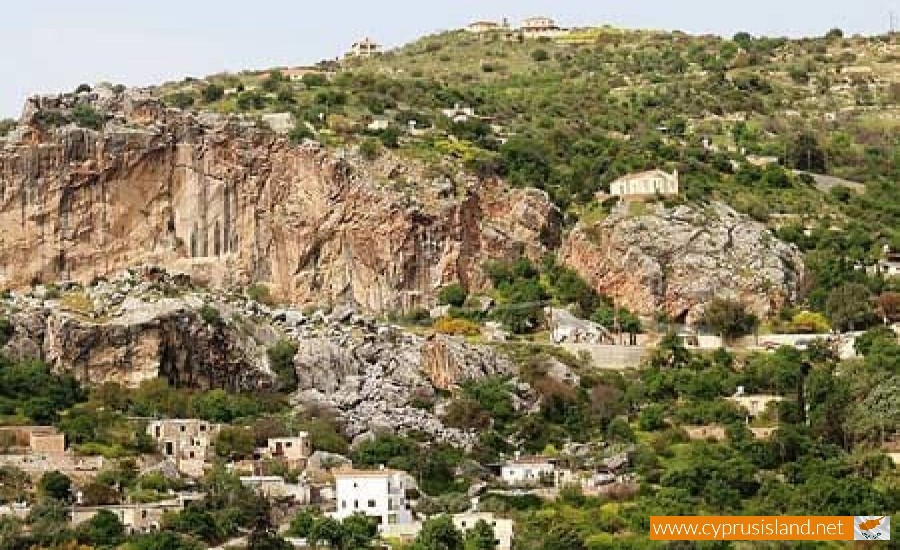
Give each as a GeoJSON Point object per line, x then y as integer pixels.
{"type": "Point", "coordinates": [678, 259]}
{"type": "Point", "coordinates": [231, 203]}
{"type": "Point", "coordinates": [148, 324]}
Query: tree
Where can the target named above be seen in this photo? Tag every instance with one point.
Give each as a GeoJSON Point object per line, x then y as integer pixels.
{"type": "Point", "coordinates": [452, 295]}
{"type": "Point", "coordinates": [104, 530]}
{"type": "Point", "coordinates": [439, 534]}
{"type": "Point", "coordinates": [481, 537]}
{"type": "Point", "coordinates": [302, 524]}
{"type": "Point", "coordinates": [540, 55]}
{"type": "Point", "coordinates": [99, 494]}
{"type": "Point", "coordinates": [728, 318]}
{"type": "Point", "coordinates": [359, 532]}
{"type": "Point", "coordinates": [849, 307]}
{"type": "Point", "coordinates": [370, 149]}
{"type": "Point", "coordinates": [834, 34]}
{"type": "Point", "coordinates": [235, 442]}
{"type": "Point", "coordinates": [888, 304]}
{"type": "Point", "coordinates": [56, 486]}
{"type": "Point", "coordinates": [327, 530]}
{"type": "Point", "coordinates": [563, 537]}
{"type": "Point", "coordinates": [805, 153]}
{"type": "Point", "coordinates": [281, 359]}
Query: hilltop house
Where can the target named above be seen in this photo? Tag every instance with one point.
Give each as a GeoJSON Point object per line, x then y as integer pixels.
{"type": "Point", "coordinates": [479, 27]}
{"type": "Point", "coordinates": [539, 27]}
{"type": "Point", "coordinates": [365, 48]}
{"type": "Point", "coordinates": [188, 443]}
{"type": "Point", "coordinates": [503, 528]}
{"type": "Point", "coordinates": [376, 493]}
{"type": "Point", "coordinates": [645, 184]}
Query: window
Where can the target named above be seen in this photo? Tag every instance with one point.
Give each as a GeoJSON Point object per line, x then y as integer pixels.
{"type": "Point", "coordinates": [202, 427]}
{"type": "Point", "coordinates": [356, 505]}
{"type": "Point", "coordinates": [344, 504]}
{"type": "Point", "coordinates": [371, 503]}
{"type": "Point", "coordinates": [288, 444]}
{"type": "Point", "coordinates": [183, 428]}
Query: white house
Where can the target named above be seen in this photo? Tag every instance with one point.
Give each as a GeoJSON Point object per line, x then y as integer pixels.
{"type": "Point", "coordinates": [537, 27]}
{"type": "Point", "coordinates": [528, 471]}
{"type": "Point", "coordinates": [365, 48]}
{"type": "Point", "coordinates": [479, 27]}
{"type": "Point", "coordinates": [645, 184]}
{"type": "Point", "coordinates": [503, 528]}
{"type": "Point", "coordinates": [375, 493]}
{"type": "Point", "coordinates": [459, 113]}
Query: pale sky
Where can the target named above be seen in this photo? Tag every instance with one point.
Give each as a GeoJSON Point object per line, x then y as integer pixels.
{"type": "Point", "coordinates": [53, 45]}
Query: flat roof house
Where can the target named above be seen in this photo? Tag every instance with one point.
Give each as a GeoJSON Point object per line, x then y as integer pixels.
{"type": "Point", "coordinates": [528, 471]}
{"type": "Point", "coordinates": [645, 184]}
{"type": "Point", "coordinates": [187, 442]}
{"type": "Point", "coordinates": [365, 48]}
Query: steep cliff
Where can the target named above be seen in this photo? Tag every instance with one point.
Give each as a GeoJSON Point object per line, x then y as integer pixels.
{"type": "Point", "coordinates": [230, 203]}
{"type": "Point", "coordinates": [677, 259]}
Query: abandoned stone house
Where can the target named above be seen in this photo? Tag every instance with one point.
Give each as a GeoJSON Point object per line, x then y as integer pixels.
{"type": "Point", "coordinates": [188, 443]}
{"type": "Point", "coordinates": [645, 184]}
{"type": "Point", "coordinates": [293, 451]}
{"type": "Point", "coordinates": [137, 517]}
{"type": "Point", "coordinates": [32, 440]}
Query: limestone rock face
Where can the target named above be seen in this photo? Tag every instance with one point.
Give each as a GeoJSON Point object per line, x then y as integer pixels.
{"type": "Point", "coordinates": [231, 204]}
{"type": "Point", "coordinates": [677, 260]}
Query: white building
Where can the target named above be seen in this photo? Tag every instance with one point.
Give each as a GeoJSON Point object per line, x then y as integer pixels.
{"type": "Point", "coordinates": [645, 184]}
{"type": "Point", "coordinates": [503, 528]}
{"type": "Point", "coordinates": [375, 493]}
{"type": "Point", "coordinates": [459, 113]}
{"type": "Point", "coordinates": [479, 27]}
{"type": "Point", "coordinates": [528, 471]}
{"type": "Point", "coordinates": [538, 27]}
{"type": "Point", "coordinates": [365, 48]}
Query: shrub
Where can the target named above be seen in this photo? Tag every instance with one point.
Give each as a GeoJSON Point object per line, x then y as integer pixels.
{"type": "Point", "coordinates": [211, 315]}
{"type": "Point", "coordinates": [180, 100]}
{"type": "Point", "coordinates": [728, 318]}
{"type": "Point", "coordinates": [540, 55]}
{"type": "Point", "coordinates": [260, 293]}
{"type": "Point", "coordinates": [6, 331]}
{"type": "Point", "coordinates": [370, 149]}
{"type": "Point", "coordinates": [300, 132]}
{"type": "Point", "coordinates": [87, 117]}
{"type": "Point", "coordinates": [457, 327]}
{"type": "Point", "coordinates": [83, 88]}
{"type": "Point", "coordinates": [452, 295]}
{"type": "Point", "coordinates": [213, 93]}
{"type": "Point", "coordinates": [281, 359]}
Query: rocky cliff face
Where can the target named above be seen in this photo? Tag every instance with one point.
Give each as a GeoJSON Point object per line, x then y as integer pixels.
{"type": "Point", "coordinates": [231, 204]}
{"type": "Point", "coordinates": [676, 260]}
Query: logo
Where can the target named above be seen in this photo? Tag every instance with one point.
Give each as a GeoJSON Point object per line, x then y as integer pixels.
{"type": "Point", "coordinates": [871, 528]}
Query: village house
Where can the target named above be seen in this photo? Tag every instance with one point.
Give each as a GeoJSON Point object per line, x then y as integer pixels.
{"type": "Point", "coordinates": [293, 451]}
{"type": "Point", "coordinates": [645, 184]}
{"type": "Point", "coordinates": [540, 27]}
{"type": "Point", "coordinates": [705, 433]}
{"type": "Point", "coordinates": [276, 487]}
{"type": "Point", "coordinates": [376, 493]}
{"type": "Point", "coordinates": [755, 405]}
{"type": "Point", "coordinates": [889, 264]}
{"type": "Point", "coordinates": [296, 74]}
{"type": "Point", "coordinates": [32, 440]}
{"type": "Point", "coordinates": [479, 27]}
{"type": "Point", "coordinates": [365, 48]}
{"type": "Point", "coordinates": [529, 471]}
{"type": "Point", "coordinates": [137, 517]}
{"type": "Point", "coordinates": [188, 443]}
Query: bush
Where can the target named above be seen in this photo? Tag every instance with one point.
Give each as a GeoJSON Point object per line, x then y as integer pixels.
{"type": "Point", "coordinates": [213, 93]}
{"type": "Point", "coordinates": [281, 359]}
{"type": "Point", "coordinates": [300, 132]}
{"type": "Point", "coordinates": [540, 55]}
{"type": "Point", "coordinates": [87, 117]}
{"type": "Point", "coordinates": [456, 327]}
{"type": "Point", "coordinates": [452, 295]}
{"type": "Point", "coordinates": [260, 293]}
{"type": "Point", "coordinates": [370, 149]}
{"type": "Point", "coordinates": [211, 316]}
{"type": "Point", "coordinates": [82, 88]}
{"type": "Point", "coordinates": [6, 331]}
{"type": "Point", "coordinates": [728, 318]}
